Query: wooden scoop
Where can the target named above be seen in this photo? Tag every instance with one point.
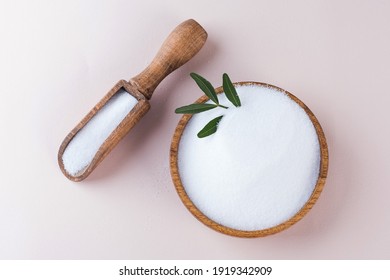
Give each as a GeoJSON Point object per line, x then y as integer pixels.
{"type": "Point", "coordinates": [180, 46]}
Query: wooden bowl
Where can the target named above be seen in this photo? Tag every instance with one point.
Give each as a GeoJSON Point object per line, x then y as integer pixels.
{"type": "Point", "coordinates": [175, 173]}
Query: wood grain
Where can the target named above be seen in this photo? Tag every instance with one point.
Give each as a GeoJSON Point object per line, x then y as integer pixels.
{"type": "Point", "coordinates": [175, 173]}
{"type": "Point", "coordinates": [122, 129]}
{"type": "Point", "coordinates": [180, 46]}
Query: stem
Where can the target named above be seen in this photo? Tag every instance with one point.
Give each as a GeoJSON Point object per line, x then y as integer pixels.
{"type": "Point", "coordinates": [223, 106]}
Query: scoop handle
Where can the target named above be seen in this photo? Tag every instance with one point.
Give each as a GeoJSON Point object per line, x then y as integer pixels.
{"type": "Point", "coordinates": [178, 48]}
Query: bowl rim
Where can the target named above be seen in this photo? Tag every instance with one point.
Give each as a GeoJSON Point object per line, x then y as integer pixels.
{"type": "Point", "coordinates": [174, 168]}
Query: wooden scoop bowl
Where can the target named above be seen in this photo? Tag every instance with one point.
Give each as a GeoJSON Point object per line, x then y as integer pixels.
{"type": "Point", "coordinates": [175, 173]}
{"type": "Point", "coordinates": [179, 47]}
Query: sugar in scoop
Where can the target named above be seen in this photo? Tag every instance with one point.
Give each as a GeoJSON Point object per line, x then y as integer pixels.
{"type": "Point", "coordinates": [101, 130]}
{"type": "Point", "coordinates": [118, 112]}
{"type": "Point", "coordinates": [83, 147]}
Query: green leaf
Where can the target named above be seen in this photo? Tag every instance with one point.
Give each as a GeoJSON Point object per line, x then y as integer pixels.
{"type": "Point", "coordinates": [206, 87]}
{"type": "Point", "coordinates": [230, 91]}
{"type": "Point", "coordinates": [195, 108]}
{"type": "Point", "coordinates": [210, 128]}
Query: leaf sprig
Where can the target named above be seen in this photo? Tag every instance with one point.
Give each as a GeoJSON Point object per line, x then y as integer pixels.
{"type": "Point", "coordinates": [230, 92]}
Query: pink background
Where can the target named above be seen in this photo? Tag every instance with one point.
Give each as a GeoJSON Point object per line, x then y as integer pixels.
{"type": "Point", "coordinates": [58, 58]}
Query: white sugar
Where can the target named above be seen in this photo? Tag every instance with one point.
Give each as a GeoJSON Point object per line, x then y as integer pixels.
{"type": "Point", "coordinates": [259, 168]}
{"type": "Point", "coordinates": [81, 150]}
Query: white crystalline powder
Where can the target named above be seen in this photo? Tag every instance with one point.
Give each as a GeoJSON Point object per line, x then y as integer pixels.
{"type": "Point", "coordinates": [82, 148]}
{"type": "Point", "coordinates": [259, 168]}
